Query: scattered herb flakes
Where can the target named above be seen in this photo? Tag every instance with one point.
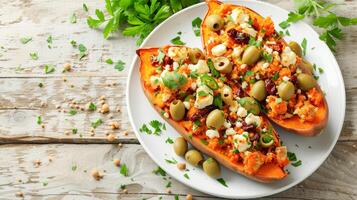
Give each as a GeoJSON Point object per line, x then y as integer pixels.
{"type": "Point", "coordinates": [49, 41]}
{"type": "Point", "coordinates": [119, 65]}
{"type": "Point", "coordinates": [145, 129]}
{"type": "Point", "coordinates": [217, 101]}
{"type": "Point", "coordinates": [73, 112]}
{"type": "Point", "coordinates": [173, 161]}
{"type": "Point", "coordinates": [267, 57]}
{"type": "Point", "coordinates": [109, 61]}
{"type": "Point", "coordinates": [124, 170]}
{"type": "Point", "coordinates": [19, 68]}
{"type": "Point", "coordinates": [160, 57]}
{"type": "Point", "coordinates": [25, 40]}
{"type": "Point", "coordinates": [159, 171]}
{"type": "Point", "coordinates": [73, 18]}
{"type": "Point", "coordinates": [177, 41]}
{"type": "Point", "coordinates": [284, 24]}
{"type": "Point", "coordinates": [34, 56]}
{"type": "Point", "coordinates": [304, 46]}
{"type": "Point", "coordinates": [276, 76]}
{"type": "Point", "coordinates": [174, 80]}
{"type": "Point", "coordinates": [156, 125]}
{"type": "Point", "coordinates": [82, 51]}
{"type": "Point", "coordinates": [291, 156]}
{"type": "Point", "coordinates": [213, 70]}
{"type": "Point", "coordinates": [222, 181]}
{"type": "Point", "coordinates": [278, 100]}
{"type": "Point", "coordinates": [49, 68]}
{"type": "Point", "coordinates": [85, 7]}
{"type": "Point", "coordinates": [39, 120]}
{"type": "Point", "coordinates": [74, 43]}
{"type": "Point", "coordinates": [40, 85]}
{"type": "Point", "coordinates": [297, 163]}
{"type": "Point", "coordinates": [168, 184]}
{"type": "Point", "coordinates": [203, 141]}
{"type": "Point", "coordinates": [97, 123]}
{"type": "Point", "coordinates": [74, 167]}
{"type": "Point", "coordinates": [74, 131]}
{"type": "Point", "coordinates": [176, 197]}
{"type": "Point", "coordinates": [196, 24]}
{"type": "Point", "coordinates": [169, 141]}
{"type": "Point", "coordinates": [186, 176]}
{"type": "Point", "coordinates": [92, 106]}
{"type": "Point", "coordinates": [45, 183]}
{"type": "Point", "coordinates": [321, 70]}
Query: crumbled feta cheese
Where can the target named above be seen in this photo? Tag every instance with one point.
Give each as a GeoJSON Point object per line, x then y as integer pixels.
{"type": "Point", "coordinates": [253, 119]}
{"type": "Point", "coordinates": [212, 133]}
{"type": "Point", "coordinates": [257, 76]}
{"type": "Point", "coordinates": [230, 131]}
{"type": "Point", "coordinates": [241, 141]}
{"type": "Point", "coordinates": [265, 65]}
{"type": "Point", "coordinates": [243, 66]}
{"type": "Point", "coordinates": [268, 49]}
{"type": "Point", "coordinates": [239, 17]}
{"type": "Point", "coordinates": [210, 40]}
{"type": "Point", "coordinates": [187, 105]}
{"type": "Point", "coordinates": [298, 91]}
{"type": "Point", "coordinates": [177, 54]}
{"type": "Point", "coordinates": [288, 57]}
{"type": "Point", "coordinates": [154, 81]}
{"type": "Point", "coordinates": [244, 84]}
{"type": "Point", "coordinates": [175, 65]}
{"type": "Point", "coordinates": [242, 112]}
{"type": "Point", "coordinates": [203, 101]}
{"type": "Point", "coordinates": [239, 124]}
{"type": "Point", "coordinates": [227, 124]}
{"type": "Point", "coordinates": [193, 86]}
{"type": "Point", "coordinates": [219, 50]}
{"type": "Point", "coordinates": [201, 67]}
{"type": "Point", "coordinates": [233, 107]}
{"type": "Point", "coordinates": [166, 96]}
{"type": "Point", "coordinates": [285, 78]}
{"type": "Point", "coordinates": [237, 51]}
{"type": "Point", "coordinates": [166, 115]}
{"type": "Point", "coordinates": [250, 31]}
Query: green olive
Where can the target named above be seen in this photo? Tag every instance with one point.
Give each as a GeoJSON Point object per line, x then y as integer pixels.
{"type": "Point", "coordinates": [286, 89]}
{"type": "Point", "coordinates": [214, 22]}
{"type": "Point", "coordinates": [250, 104]}
{"type": "Point", "coordinates": [222, 64]}
{"type": "Point", "coordinates": [251, 55]}
{"type": "Point", "coordinates": [195, 54]}
{"type": "Point", "coordinates": [307, 65]}
{"type": "Point", "coordinates": [266, 140]}
{"type": "Point", "coordinates": [295, 47]}
{"type": "Point", "coordinates": [258, 90]}
{"type": "Point", "coordinates": [215, 119]}
{"type": "Point", "coordinates": [211, 167]}
{"type": "Point", "coordinates": [226, 94]}
{"type": "Point", "coordinates": [194, 157]}
{"type": "Point", "coordinates": [305, 81]}
{"type": "Point", "coordinates": [177, 110]}
{"type": "Point", "coordinates": [180, 146]}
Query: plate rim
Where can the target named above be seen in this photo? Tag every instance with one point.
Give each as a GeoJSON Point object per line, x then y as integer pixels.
{"type": "Point", "coordinates": [275, 191]}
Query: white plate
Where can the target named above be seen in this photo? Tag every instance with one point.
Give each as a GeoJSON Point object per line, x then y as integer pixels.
{"type": "Point", "coordinates": [312, 151]}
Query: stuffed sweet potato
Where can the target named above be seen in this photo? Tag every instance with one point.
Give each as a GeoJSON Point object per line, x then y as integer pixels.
{"type": "Point", "coordinates": [211, 112]}
{"type": "Point", "coordinates": [268, 68]}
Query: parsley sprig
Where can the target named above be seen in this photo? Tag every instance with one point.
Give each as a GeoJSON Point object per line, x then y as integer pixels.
{"type": "Point", "coordinates": [156, 127]}
{"type": "Point", "coordinates": [330, 22]}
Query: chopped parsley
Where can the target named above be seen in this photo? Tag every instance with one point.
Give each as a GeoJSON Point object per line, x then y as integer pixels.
{"type": "Point", "coordinates": [92, 106]}
{"type": "Point", "coordinates": [297, 163]}
{"type": "Point", "coordinates": [73, 18]}
{"type": "Point", "coordinates": [304, 46]}
{"type": "Point", "coordinates": [49, 68]}
{"type": "Point", "coordinates": [74, 43]}
{"type": "Point", "coordinates": [160, 57]}
{"type": "Point", "coordinates": [267, 57]}
{"type": "Point", "coordinates": [222, 181]}
{"type": "Point", "coordinates": [122, 186]}
{"type": "Point", "coordinates": [49, 41]}
{"type": "Point", "coordinates": [186, 176]}
{"type": "Point", "coordinates": [174, 80]}
{"type": "Point", "coordinates": [74, 131]}
{"type": "Point", "coordinates": [253, 42]}
{"type": "Point", "coordinates": [25, 40]}
{"type": "Point", "coordinates": [109, 61]}
{"type": "Point", "coordinates": [203, 141]}
{"type": "Point", "coordinates": [159, 171]}
{"type": "Point", "coordinates": [212, 69]}
{"type": "Point", "coordinates": [85, 7]}
{"type": "Point", "coordinates": [74, 167]}
{"type": "Point", "coordinates": [34, 56]}
{"type": "Point", "coordinates": [291, 156]}
{"type": "Point", "coordinates": [202, 93]}
{"type": "Point", "coordinates": [177, 41]}
{"type": "Point", "coordinates": [278, 100]}
{"type": "Point", "coordinates": [173, 161]}
{"type": "Point", "coordinates": [217, 101]}
{"type": "Point", "coordinates": [73, 112]}
{"type": "Point", "coordinates": [168, 184]}
{"type": "Point", "coordinates": [196, 24]}
{"type": "Point", "coordinates": [45, 183]}
{"type": "Point", "coordinates": [276, 76]}
{"type": "Point", "coordinates": [97, 123]}
{"type": "Point", "coordinates": [124, 170]}
{"type": "Point", "coordinates": [82, 51]}
{"type": "Point", "coordinates": [197, 122]}
{"type": "Point", "coordinates": [39, 120]}
{"type": "Point", "coordinates": [155, 125]}
{"type": "Point", "coordinates": [119, 65]}
{"type": "Point", "coordinates": [169, 141]}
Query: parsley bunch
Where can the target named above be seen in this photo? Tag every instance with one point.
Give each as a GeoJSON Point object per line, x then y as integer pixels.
{"type": "Point", "coordinates": [322, 18]}
{"type": "Point", "coordinates": [136, 17]}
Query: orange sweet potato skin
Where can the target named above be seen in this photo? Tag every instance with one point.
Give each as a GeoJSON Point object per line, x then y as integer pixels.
{"type": "Point", "coordinates": [267, 173]}
{"type": "Point", "coordinates": [294, 124]}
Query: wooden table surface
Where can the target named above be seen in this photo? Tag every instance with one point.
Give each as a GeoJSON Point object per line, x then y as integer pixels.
{"type": "Point", "coordinates": [49, 163]}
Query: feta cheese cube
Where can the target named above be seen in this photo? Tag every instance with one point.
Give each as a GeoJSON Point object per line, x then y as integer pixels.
{"type": "Point", "coordinates": [242, 112]}
{"type": "Point", "coordinates": [212, 133]}
{"type": "Point", "coordinates": [203, 101]}
{"type": "Point", "coordinates": [230, 131]}
{"type": "Point", "coordinates": [219, 50]}
{"type": "Point", "coordinates": [241, 141]}
{"type": "Point", "coordinates": [253, 119]}
{"type": "Point", "coordinates": [288, 57]}
{"type": "Point", "coordinates": [201, 67]}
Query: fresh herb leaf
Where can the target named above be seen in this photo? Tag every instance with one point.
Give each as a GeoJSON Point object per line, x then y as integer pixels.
{"type": "Point", "coordinates": [196, 24]}
{"type": "Point", "coordinates": [213, 70]}
{"type": "Point", "coordinates": [109, 61]}
{"type": "Point", "coordinates": [174, 80]}
{"type": "Point", "coordinates": [297, 163]}
{"type": "Point", "coordinates": [278, 100]}
{"type": "Point", "coordinates": [73, 18]}
{"type": "Point", "coordinates": [291, 156]}
{"type": "Point", "coordinates": [321, 70]}
{"type": "Point", "coordinates": [177, 41]}
{"type": "Point", "coordinates": [92, 106]}
{"type": "Point", "coordinates": [222, 181]}
{"type": "Point", "coordinates": [203, 141]}
{"type": "Point", "coordinates": [276, 76]}
{"type": "Point", "coordinates": [74, 43]}
{"type": "Point", "coordinates": [34, 56]}
{"type": "Point", "coordinates": [73, 112]}
{"type": "Point", "coordinates": [186, 176]}
{"type": "Point", "coordinates": [145, 129]}
{"type": "Point", "coordinates": [304, 46]}
{"type": "Point", "coordinates": [159, 171]}
{"type": "Point", "coordinates": [173, 161]}
{"type": "Point", "coordinates": [119, 65]}
{"type": "Point", "coordinates": [85, 7]}
{"type": "Point", "coordinates": [39, 120]}
{"type": "Point", "coordinates": [253, 42]}
{"type": "Point", "coordinates": [168, 184]}
{"type": "Point", "coordinates": [25, 40]}
{"type": "Point", "coordinates": [122, 186]}
{"type": "Point", "coordinates": [49, 41]}
{"type": "Point", "coordinates": [97, 123]}
{"type": "Point", "coordinates": [217, 101]}
{"type": "Point", "coordinates": [40, 85]}
{"type": "Point", "coordinates": [82, 51]}
{"type": "Point", "coordinates": [49, 68]}
{"type": "Point", "coordinates": [267, 57]}
{"type": "Point", "coordinates": [169, 141]}
{"type": "Point", "coordinates": [160, 57]}
{"type": "Point", "coordinates": [124, 170]}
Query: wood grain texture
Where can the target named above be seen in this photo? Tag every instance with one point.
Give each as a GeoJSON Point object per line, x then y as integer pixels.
{"type": "Point", "coordinates": [335, 179]}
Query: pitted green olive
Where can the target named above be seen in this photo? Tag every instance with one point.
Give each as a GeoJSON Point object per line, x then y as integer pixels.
{"type": "Point", "coordinates": [258, 90]}
{"type": "Point", "coordinates": [215, 119]}
{"type": "Point", "coordinates": [307, 65]}
{"type": "Point", "coordinates": [180, 146]}
{"type": "Point", "coordinates": [295, 47]}
{"type": "Point", "coordinates": [305, 81]}
{"type": "Point", "coordinates": [214, 22]}
{"type": "Point", "coordinates": [266, 140]}
{"type": "Point", "coordinates": [251, 55]}
{"type": "Point", "coordinates": [286, 90]}
{"type": "Point", "coordinates": [177, 110]}
{"type": "Point", "coordinates": [250, 104]}
{"type": "Point", "coordinates": [222, 64]}
{"type": "Point", "coordinates": [195, 54]}
{"type": "Point", "coordinates": [226, 94]}
{"type": "Point", "coordinates": [194, 157]}
{"type": "Point", "coordinates": [211, 167]}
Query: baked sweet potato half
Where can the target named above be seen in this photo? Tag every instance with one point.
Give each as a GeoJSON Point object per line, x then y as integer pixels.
{"type": "Point", "coordinates": [271, 70]}
{"type": "Point", "coordinates": [211, 112]}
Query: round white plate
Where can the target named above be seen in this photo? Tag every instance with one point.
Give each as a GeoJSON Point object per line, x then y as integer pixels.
{"type": "Point", "coordinates": [311, 151]}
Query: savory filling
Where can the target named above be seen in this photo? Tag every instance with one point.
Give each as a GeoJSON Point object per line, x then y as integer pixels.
{"type": "Point", "coordinates": [204, 98]}
{"type": "Point", "coordinates": [271, 71]}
